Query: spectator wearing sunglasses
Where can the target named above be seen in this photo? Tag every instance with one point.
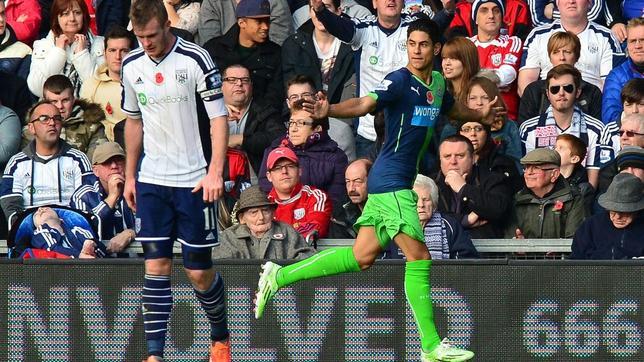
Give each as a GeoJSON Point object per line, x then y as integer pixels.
{"type": "Point", "coordinates": [563, 48]}
{"type": "Point", "coordinates": [47, 170]}
{"type": "Point", "coordinates": [547, 207]}
{"type": "Point", "coordinates": [564, 116]}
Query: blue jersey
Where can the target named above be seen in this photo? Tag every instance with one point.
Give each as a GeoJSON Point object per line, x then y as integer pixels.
{"type": "Point", "coordinates": [411, 110]}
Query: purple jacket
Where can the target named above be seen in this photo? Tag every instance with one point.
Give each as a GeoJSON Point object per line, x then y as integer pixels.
{"type": "Point", "coordinates": [322, 164]}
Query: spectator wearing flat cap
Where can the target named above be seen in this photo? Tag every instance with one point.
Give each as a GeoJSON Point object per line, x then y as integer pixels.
{"type": "Point", "coordinates": [247, 43]}
{"type": "Point", "coordinates": [257, 235]}
{"type": "Point", "coordinates": [617, 232]}
{"type": "Point", "coordinates": [547, 207]}
{"type": "Point", "coordinates": [104, 198]}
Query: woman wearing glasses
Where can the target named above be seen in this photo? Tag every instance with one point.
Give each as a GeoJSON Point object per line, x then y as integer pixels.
{"type": "Point", "coordinates": [322, 162]}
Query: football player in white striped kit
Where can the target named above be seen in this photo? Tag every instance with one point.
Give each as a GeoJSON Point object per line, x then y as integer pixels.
{"type": "Point", "coordinates": [168, 181]}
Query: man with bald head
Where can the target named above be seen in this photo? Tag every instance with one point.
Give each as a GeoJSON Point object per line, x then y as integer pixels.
{"type": "Point", "coordinates": [31, 179]}
{"type": "Point", "coordinates": [355, 180]}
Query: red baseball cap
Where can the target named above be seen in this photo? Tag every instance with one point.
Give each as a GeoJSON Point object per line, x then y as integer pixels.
{"type": "Point", "coordinates": [279, 153]}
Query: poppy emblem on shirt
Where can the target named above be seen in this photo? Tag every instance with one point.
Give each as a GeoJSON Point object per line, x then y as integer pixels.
{"type": "Point", "coordinates": [108, 108]}
{"type": "Point", "coordinates": [158, 78]}
{"type": "Point", "coordinates": [430, 97]}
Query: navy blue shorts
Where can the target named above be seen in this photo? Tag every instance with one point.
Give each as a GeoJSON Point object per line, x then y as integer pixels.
{"type": "Point", "coordinates": [165, 214]}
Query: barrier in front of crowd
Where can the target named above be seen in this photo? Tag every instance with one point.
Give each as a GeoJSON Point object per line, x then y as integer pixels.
{"type": "Point", "coordinates": [489, 248]}
{"type": "Point", "coordinates": [504, 310]}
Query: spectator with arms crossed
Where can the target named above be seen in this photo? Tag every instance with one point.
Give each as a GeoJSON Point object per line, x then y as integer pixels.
{"type": "Point", "coordinates": [47, 171]}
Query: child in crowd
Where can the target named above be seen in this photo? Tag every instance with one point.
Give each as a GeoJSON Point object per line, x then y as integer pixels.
{"type": "Point", "coordinates": [572, 151]}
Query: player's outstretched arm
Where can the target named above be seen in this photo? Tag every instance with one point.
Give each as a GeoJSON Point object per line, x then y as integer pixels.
{"type": "Point", "coordinates": [354, 107]}
{"type": "Point", "coordinates": [133, 146]}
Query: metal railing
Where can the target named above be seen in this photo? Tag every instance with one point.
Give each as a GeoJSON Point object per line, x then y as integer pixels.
{"type": "Point", "coordinates": [488, 248]}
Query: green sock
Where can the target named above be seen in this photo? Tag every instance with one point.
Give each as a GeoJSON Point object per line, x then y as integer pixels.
{"type": "Point", "coordinates": [328, 262]}
{"type": "Point", "coordinates": [417, 291]}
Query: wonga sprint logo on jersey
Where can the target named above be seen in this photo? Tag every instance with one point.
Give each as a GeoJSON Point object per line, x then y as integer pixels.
{"type": "Point", "coordinates": [425, 116]}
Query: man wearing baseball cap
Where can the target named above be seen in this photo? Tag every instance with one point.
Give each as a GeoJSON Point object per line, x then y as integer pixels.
{"type": "Point", "coordinates": [547, 207]}
{"type": "Point", "coordinates": [104, 198]}
{"type": "Point", "coordinates": [306, 208]}
{"type": "Point", "coordinates": [247, 43]}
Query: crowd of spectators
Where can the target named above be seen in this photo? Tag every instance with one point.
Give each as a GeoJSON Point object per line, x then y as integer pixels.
{"type": "Point", "coordinates": [565, 160]}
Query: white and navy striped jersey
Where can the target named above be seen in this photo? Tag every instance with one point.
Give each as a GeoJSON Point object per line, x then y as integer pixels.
{"type": "Point", "coordinates": [163, 94]}
{"type": "Point", "coordinates": [610, 143]}
{"type": "Point", "coordinates": [380, 54]}
{"type": "Point", "coordinates": [31, 181]}
{"type": "Point", "coordinates": [600, 51]}
{"type": "Point", "coordinates": [542, 131]}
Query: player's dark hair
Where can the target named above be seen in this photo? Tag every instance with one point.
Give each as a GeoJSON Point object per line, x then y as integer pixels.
{"type": "Point", "coordinates": [428, 27]}
{"type": "Point", "coordinates": [142, 11]}
{"type": "Point", "coordinates": [322, 122]}
{"type": "Point", "coordinates": [563, 69]}
{"type": "Point", "coordinates": [300, 79]}
{"type": "Point", "coordinates": [118, 32]}
{"type": "Point", "coordinates": [459, 138]}
{"type": "Point", "coordinates": [633, 91]}
{"type": "Point", "coordinates": [57, 84]}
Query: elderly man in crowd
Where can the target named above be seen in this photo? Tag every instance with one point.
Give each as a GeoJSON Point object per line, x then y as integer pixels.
{"type": "Point", "coordinates": [617, 232]}
{"type": "Point", "coordinates": [355, 180]}
{"type": "Point", "coordinates": [257, 235]}
{"type": "Point", "coordinates": [548, 207]}
{"type": "Point", "coordinates": [105, 199]}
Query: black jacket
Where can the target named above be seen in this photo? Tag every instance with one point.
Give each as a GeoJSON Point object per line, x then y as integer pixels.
{"type": "Point", "coordinates": [300, 58]}
{"type": "Point", "coordinates": [597, 238]}
{"type": "Point", "coordinates": [264, 64]}
{"type": "Point", "coordinates": [485, 193]}
{"type": "Point", "coordinates": [15, 94]}
{"type": "Point", "coordinates": [263, 126]}
{"type": "Point", "coordinates": [534, 101]}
